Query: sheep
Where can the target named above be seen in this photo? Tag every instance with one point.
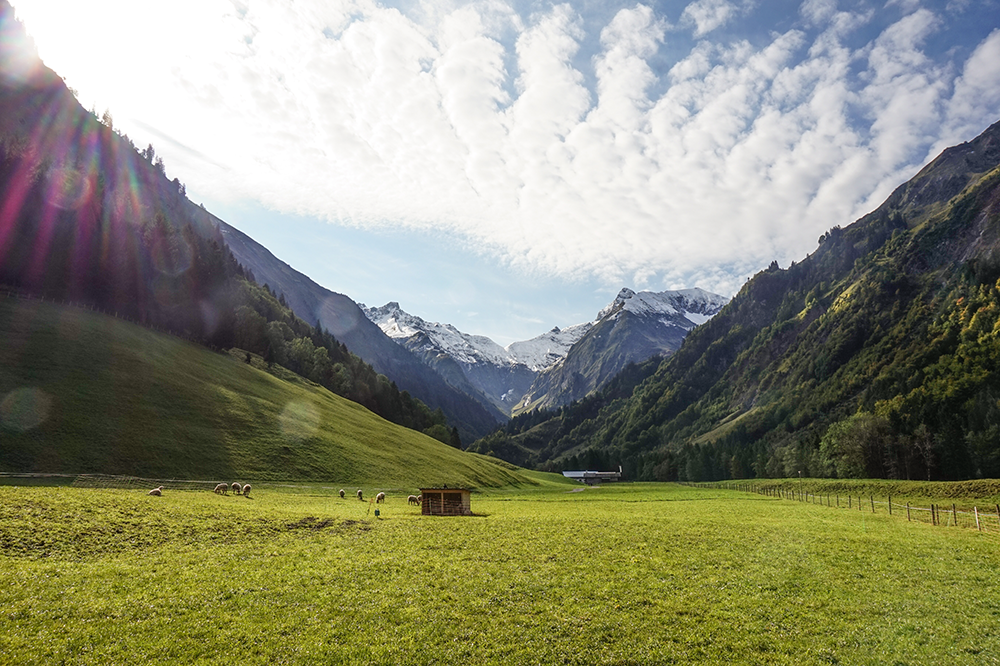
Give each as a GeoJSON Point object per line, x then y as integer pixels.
{"type": "Point", "coordinates": [237, 488]}
{"type": "Point", "coordinates": [222, 489]}
{"type": "Point", "coordinates": [246, 490]}
{"type": "Point", "coordinates": [359, 494]}
{"type": "Point", "coordinates": [412, 499]}
{"type": "Point", "coordinates": [341, 493]}
{"type": "Point", "coordinates": [420, 499]}
{"type": "Point", "coordinates": [380, 498]}
{"type": "Point", "coordinates": [156, 491]}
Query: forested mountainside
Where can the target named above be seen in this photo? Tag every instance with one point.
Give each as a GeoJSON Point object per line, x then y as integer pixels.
{"type": "Point", "coordinates": [344, 319]}
{"type": "Point", "coordinates": [87, 218]}
{"type": "Point", "coordinates": [876, 356]}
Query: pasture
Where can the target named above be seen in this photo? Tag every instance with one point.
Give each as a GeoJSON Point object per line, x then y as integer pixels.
{"type": "Point", "coordinates": [621, 574]}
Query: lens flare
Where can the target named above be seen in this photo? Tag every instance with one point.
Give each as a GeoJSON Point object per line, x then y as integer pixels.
{"type": "Point", "coordinates": [68, 188]}
{"type": "Point", "coordinates": [24, 408]}
{"type": "Point", "coordinates": [299, 421]}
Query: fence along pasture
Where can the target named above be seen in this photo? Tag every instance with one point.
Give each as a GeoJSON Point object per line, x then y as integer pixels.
{"type": "Point", "coordinates": [103, 481]}
{"type": "Point", "coordinates": [933, 514]}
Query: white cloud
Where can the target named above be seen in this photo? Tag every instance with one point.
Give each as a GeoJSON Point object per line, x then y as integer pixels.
{"type": "Point", "coordinates": [491, 125]}
{"type": "Point", "coordinates": [708, 15]}
{"type": "Point", "coordinates": [975, 103]}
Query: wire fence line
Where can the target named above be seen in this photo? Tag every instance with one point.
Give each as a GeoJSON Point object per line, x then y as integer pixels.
{"type": "Point", "coordinates": [119, 481]}
{"type": "Point", "coordinates": [984, 519]}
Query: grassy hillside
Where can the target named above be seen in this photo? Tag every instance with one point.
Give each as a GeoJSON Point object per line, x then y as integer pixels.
{"type": "Point", "coordinates": [84, 392]}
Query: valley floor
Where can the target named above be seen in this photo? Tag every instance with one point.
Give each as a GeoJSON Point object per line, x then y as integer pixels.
{"type": "Point", "coordinates": [621, 574]}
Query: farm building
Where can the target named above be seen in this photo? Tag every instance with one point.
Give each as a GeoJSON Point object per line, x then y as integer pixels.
{"type": "Point", "coordinates": [592, 478]}
{"type": "Point", "coordinates": [446, 501]}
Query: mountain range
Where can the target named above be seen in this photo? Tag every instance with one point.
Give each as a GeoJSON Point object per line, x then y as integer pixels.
{"type": "Point", "coordinates": [874, 356]}
{"type": "Point", "coordinates": [561, 365]}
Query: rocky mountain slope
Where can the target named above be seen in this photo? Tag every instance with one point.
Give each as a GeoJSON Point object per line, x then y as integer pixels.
{"type": "Point", "coordinates": [633, 328]}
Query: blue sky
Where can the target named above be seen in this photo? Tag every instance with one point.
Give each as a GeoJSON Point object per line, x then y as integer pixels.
{"type": "Point", "coordinates": [508, 166]}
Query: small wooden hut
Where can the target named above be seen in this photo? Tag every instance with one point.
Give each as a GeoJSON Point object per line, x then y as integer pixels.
{"type": "Point", "coordinates": [446, 501]}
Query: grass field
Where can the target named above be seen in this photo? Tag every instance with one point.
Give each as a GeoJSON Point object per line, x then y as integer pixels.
{"type": "Point", "coordinates": [622, 574]}
{"type": "Point", "coordinates": [84, 392]}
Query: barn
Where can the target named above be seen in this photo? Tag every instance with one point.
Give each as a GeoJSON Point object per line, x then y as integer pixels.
{"type": "Point", "coordinates": [446, 501]}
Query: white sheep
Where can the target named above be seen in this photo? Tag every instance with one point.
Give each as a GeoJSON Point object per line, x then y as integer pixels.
{"type": "Point", "coordinates": [237, 488]}
{"type": "Point", "coordinates": [156, 491]}
{"type": "Point", "coordinates": [359, 494]}
{"type": "Point", "coordinates": [222, 489]}
{"type": "Point", "coordinates": [380, 498]}
{"type": "Point", "coordinates": [341, 493]}
{"type": "Point", "coordinates": [246, 490]}
{"type": "Point", "coordinates": [420, 499]}
{"type": "Point", "coordinates": [412, 499]}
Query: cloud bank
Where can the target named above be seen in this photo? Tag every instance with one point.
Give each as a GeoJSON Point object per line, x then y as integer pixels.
{"type": "Point", "coordinates": [561, 146]}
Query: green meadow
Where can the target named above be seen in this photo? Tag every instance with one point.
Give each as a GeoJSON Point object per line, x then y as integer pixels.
{"type": "Point", "coordinates": [550, 573]}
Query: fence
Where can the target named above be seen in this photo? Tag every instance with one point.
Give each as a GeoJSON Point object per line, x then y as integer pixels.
{"type": "Point", "coordinates": [986, 519]}
{"type": "Point", "coordinates": [102, 481]}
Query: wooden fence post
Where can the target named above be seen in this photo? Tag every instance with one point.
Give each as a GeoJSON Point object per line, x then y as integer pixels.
{"type": "Point", "coordinates": [954, 514]}
{"type": "Point", "coordinates": [872, 498]}
{"type": "Point", "coordinates": [907, 512]}
{"type": "Point", "coordinates": [933, 516]}
{"type": "Point", "coordinates": [978, 526]}
{"type": "Point", "coordinates": [890, 505]}
{"type": "Point", "coordinates": [849, 502]}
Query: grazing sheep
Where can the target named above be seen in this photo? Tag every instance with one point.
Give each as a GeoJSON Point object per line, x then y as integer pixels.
{"type": "Point", "coordinates": [156, 491]}
{"type": "Point", "coordinates": [246, 490]}
{"type": "Point", "coordinates": [222, 489]}
{"type": "Point", "coordinates": [420, 499]}
{"type": "Point", "coordinates": [380, 498]}
{"type": "Point", "coordinates": [359, 494]}
{"type": "Point", "coordinates": [341, 493]}
{"type": "Point", "coordinates": [412, 499]}
{"type": "Point", "coordinates": [237, 488]}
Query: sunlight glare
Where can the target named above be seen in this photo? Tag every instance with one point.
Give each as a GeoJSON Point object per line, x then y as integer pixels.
{"type": "Point", "coordinates": [24, 408]}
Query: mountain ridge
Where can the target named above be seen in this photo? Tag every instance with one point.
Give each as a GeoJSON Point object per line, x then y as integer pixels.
{"type": "Point", "coordinates": [505, 376]}
{"type": "Point", "coordinates": [873, 356]}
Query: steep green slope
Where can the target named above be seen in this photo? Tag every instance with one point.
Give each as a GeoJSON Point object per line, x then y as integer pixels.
{"type": "Point", "coordinates": [87, 217]}
{"type": "Point", "coordinates": [886, 332]}
{"type": "Point", "coordinates": [84, 392]}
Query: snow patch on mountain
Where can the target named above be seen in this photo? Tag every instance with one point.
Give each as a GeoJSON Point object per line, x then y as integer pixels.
{"type": "Point", "coordinates": [696, 305]}
{"type": "Point", "coordinates": [547, 349]}
{"type": "Point", "coordinates": [464, 348]}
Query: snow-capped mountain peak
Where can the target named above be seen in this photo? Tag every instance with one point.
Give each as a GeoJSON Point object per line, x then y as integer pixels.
{"type": "Point", "coordinates": [464, 348]}
{"type": "Point", "coordinates": [696, 305]}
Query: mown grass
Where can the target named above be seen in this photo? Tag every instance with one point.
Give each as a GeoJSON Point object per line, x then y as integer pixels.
{"type": "Point", "coordinates": [84, 392]}
{"type": "Point", "coordinates": [623, 574]}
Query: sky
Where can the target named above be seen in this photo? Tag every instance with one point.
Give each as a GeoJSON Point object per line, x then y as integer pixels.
{"type": "Point", "coordinates": [509, 166]}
